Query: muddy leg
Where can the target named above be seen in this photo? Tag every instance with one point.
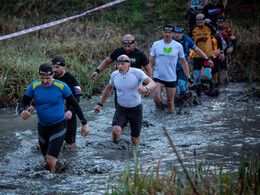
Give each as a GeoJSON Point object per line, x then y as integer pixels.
{"type": "Point", "coordinates": [51, 163]}
{"type": "Point", "coordinates": [116, 132]}
{"type": "Point", "coordinates": [170, 99]}
{"type": "Point", "coordinates": [157, 95]}
{"type": "Point", "coordinates": [135, 140]}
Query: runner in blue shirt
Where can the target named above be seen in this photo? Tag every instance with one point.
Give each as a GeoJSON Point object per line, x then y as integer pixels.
{"type": "Point", "coordinates": [188, 45]}
{"type": "Point", "coordinates": [49, 95]}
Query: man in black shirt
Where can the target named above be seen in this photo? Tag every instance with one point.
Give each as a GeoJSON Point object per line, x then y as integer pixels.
{"type": "Point", "coordinates": [58, 65]}
{"type": "Point", "coordinates": [137, 57]}
{"type": "Point", "coordinates": [212, 10]}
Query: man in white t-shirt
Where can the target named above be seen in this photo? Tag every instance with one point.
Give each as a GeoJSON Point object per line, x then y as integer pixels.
{"type": "Point", "coordinates": [165, 53]}
{"type": "Point", "coordinates": [128, 83]}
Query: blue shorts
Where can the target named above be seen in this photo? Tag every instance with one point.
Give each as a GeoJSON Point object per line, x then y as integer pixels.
{"type": "Point", "coordinates": [171, 84]}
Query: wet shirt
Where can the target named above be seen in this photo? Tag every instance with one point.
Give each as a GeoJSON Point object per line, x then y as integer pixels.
{"type": "Point", "coordinates": [167, 55]}
{"type": "Point", "coordinates": [202, 37]}
{"type": "Point", "coordinates": [187, 44]}
{"type": "Point", "coordinates": [73, 84]}
{"type": "Point", "coordinates": [211, 12]}
{"type": "Point", "coordinates": [49, 101]}
{"type": "Point", "coordinates": [137, 57]}
{"type": "Point", "coordinates": [126, 86]}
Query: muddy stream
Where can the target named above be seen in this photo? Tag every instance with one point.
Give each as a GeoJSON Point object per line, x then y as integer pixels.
{"type": "Point", "coordinates": [212, 129]}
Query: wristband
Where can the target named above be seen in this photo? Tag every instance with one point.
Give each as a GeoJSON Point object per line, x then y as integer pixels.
{"type": "Point", "coordinates": [97, 70]}
{"type": "Point", "coordinates": [221, 51]}
{"type": "Point", "coordinates": [100, 104]}
{"type": "Point", "coordinates": [147, 88]}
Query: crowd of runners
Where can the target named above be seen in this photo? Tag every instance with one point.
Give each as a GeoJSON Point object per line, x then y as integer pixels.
{"type": "Point", "coordinates": [207, 44]}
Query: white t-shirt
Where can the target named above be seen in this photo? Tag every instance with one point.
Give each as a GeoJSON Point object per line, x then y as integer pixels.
{"type": "Point", "coordinates": [167, 55]}
{"type": "Point", "coordinates": [126, 86]}
{"type": "Point", "coordinates": [196, 3]}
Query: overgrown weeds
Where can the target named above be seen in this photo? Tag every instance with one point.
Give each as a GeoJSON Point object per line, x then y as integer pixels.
{"type": "Point", "coordinates": [85, 49]}
{"type": "Point", "coordinates": [208, 180]}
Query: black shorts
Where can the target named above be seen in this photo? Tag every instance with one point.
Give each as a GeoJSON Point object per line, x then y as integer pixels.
{"type": "Point", "coordinates": [51, 138]}
{"type": "Point", "coordinates": [198, 63]}
{"type": "Point", "coordinates": [223, 64]}
{"type": "Point", "coordinates": [171, 84]}
{"type": "Point", "coordinates": [132, 115]}
{"type": "Point", "coordinates": [216, 67]}
{"type": "Point", "coordinates": [71, 129]}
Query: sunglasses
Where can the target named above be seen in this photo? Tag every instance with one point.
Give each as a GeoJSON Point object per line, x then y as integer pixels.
{"type": "Point", "coordinates": [128, 42]}
{"type": "Point", "coordinates": [43, 73]}
{"type": "Point", "coordinates": [220, 20]}
{"type": "Point", "coordinates": [122, 60]}
{"type": "Point", "coordinates": [168, 29]}
{"type": "Point", "coordinates": [179, 30]}
{"type": "Point", "coordinates": [200, 18]}
{"type": "Point", "coordinates": [57, 63]}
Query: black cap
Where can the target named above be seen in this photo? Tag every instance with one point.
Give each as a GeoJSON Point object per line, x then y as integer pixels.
{"type": "Point", "coordinates": [58, 60]}
{"type": "Point", "coordinates": [45, 70]}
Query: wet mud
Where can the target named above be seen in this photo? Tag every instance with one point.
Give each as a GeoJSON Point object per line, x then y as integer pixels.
{"type": "Point", "coordinates": [210, 127]}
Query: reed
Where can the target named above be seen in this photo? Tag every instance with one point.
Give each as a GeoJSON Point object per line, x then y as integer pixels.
{"type": "Point", "coordinates": [219, 180]}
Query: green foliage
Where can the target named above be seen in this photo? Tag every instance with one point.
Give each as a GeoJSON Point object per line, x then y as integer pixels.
{"type": "Point", "coordinates": [84, 49]}
{"type": "Point", "coordinates": [217, 181]}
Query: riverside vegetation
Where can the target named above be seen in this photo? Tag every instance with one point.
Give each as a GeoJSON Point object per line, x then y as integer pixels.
{"type": "Point", "coordinates": [84, 46]}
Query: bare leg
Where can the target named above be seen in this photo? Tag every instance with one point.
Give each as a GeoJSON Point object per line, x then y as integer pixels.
{"type": "Point", "coordinates": [116, 133]}
{"type": "Point", "coordinates": [135, 140]}
{"type": "Point", "coordinates": [157, 94]}
{"type": "Point", "coordinates": [73, 145]}
{"type": "Point", "coordinates": [170, 99]}
{"type": "Point", "coordinates": [51, 162]}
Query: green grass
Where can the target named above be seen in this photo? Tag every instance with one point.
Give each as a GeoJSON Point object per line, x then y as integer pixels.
{"type": "Point", "coordinates": [173, 181]}
{"type": "Point", "coordinates": [21, 56]}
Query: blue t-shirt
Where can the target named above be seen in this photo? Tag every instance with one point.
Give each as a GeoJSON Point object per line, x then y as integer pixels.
{"type": "Point", "coordinates": [187, 44]}
{"type": "Point", "coordinates": [49, 101]}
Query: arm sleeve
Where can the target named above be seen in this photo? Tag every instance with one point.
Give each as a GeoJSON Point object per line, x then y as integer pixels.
{"type": "Point", "coordinates": [77, 109]}
{"type": "Point", "coordinates": [23, 103]}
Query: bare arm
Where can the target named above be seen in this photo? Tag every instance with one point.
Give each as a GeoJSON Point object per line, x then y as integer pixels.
{"type": "Point", "coordinates": [148, 70]}
{"type": "Point", "coordinates": [189, 4]}
{"type": "Point", "coordinates": [150, 84]}
{"type": "Point", "coordinates": [104, 97]}
{"type": "Point", "coordinates": [185, 66]}
{"type": "Point", "coordinates": [200, 53]}
{"type": "Point", "coordinates": [151, 61]}
{"type": "Point", "coordinates": [102, 66]}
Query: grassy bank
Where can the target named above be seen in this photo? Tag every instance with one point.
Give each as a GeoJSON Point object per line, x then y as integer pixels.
{"type": "Point", "coordinates": [207, 180]}
{"type": "Point", "coordinates": [84, 49]}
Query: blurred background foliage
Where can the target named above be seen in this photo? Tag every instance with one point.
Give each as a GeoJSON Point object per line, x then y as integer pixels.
{"type": "Point", "coordinates": [85, 44]}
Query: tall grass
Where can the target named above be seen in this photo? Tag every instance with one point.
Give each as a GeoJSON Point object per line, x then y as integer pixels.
{"type": "Point", "coordinates": [84, 50]}
{"type": "Point", "coordinates": [208, 180]}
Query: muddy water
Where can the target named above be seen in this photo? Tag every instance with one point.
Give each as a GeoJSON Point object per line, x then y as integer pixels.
{"type": "Point", "coordinates": [213, 130]}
